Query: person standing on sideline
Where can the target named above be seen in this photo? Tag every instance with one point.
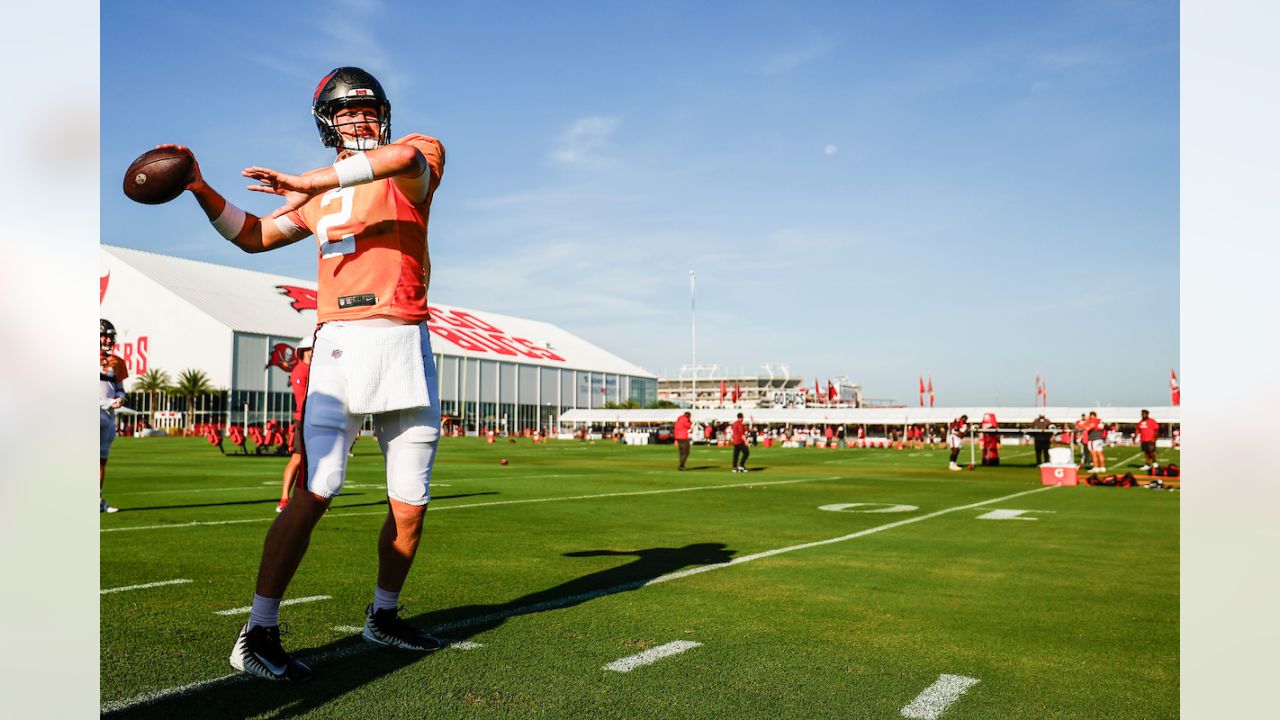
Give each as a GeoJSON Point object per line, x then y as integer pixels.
{"type": "Point", "coordinates": [955, 439]}
{"type": "Point", "coordinates": [1041, 434]}
{"type": "Point", "coordinates": [739, 437]}
{"type": "Point", "coordinates": [369, 212]}
{"type": "Point", "coordinates": [684, 424]}
{"type": "Point", "coordinates": [1080, 438]}
{"type": "Point", "coordinates": [111, 376]}
{"type": "Point", "coordinates": [1148, 430]}
{"type": "Point", "coordinates": [1093, 430]}
{"type": "Point", "coordinates": [298, 375]}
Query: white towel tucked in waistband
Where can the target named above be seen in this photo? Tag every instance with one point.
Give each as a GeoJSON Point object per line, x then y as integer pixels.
{"type": "Point", "coordinates": [384, 368]}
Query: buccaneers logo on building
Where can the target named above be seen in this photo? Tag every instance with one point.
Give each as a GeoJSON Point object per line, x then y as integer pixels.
{"type": "Point", "coordinates": [303, 298]}
{"type": "Point", "coordinates": [282, 356]}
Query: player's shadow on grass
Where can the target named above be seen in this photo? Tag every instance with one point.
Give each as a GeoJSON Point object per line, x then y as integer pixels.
{"type": "Point", "coordinates": [349, 664]}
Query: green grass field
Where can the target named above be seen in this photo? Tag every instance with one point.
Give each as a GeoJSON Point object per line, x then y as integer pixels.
{"type": "Point", "coordinates": [570, 558]}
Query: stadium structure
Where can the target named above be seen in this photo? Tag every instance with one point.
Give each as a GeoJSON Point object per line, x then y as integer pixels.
{"type": "Point", "coordinates": [711, 387]}
{"type": "Point", "coordinates": [240, 328]}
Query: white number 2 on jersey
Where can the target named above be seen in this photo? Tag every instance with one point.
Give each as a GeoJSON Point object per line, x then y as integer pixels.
{"type": "Point", "coordinates": [346, 244]}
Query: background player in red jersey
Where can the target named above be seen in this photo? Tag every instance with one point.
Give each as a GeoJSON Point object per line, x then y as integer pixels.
{"type": "Point", "coordinates": [1093, 433]}
{"type": "Point", "coordinates": [111, 377]}
{"type": "Point", "coordinates": [684, 424]}
{"type": "Point", "coordinates": [1148, 430]}
{"type": "Point", "coordinates": [740, 448]}
{"type": "Point", "coordinates": [298, 375]}
{"type": "Point", "coordinates": [372, 353]}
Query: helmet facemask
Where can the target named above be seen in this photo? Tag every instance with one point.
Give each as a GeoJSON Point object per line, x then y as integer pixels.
{"type": "Point", "coordinates": [341, 88]}
{"type": "Point", "coordinates": [333, 137]}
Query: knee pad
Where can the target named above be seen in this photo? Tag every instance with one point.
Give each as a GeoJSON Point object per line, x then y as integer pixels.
{"type": "Point", "coordinates": [327, 433]}
{"type": "Point", "coordinates": [409, 439]}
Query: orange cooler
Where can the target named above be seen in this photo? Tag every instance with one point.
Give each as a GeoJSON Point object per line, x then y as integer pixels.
{"type": "Point", "coordinates": [1058, 475]}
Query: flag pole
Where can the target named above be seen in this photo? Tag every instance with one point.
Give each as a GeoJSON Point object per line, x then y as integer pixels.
{"type": "Point", "coordinates": [693, 334]}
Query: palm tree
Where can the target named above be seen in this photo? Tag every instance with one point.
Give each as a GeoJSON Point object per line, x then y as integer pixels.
{"type": "Point", "coordinates": [153, 382]}
{"type": "Point", "coordinates": [192, 382]}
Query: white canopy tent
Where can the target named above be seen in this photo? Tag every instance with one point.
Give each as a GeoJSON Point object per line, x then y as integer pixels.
{"type": "Point", "coordinates": [1006, 416]}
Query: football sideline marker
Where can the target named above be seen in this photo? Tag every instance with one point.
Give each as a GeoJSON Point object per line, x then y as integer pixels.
{"type": "Point", "coordinates": [650, 656]}
{"type": "Point", "coordinates": [144, 586]}
{"type": "Point", "coordinates": [182, 690]}
{"type": "Point", "coordinates": [935, 699]}
{"type": "Point", "coordinates": [448, 644]}
{"type": "Point", "coordinates": [294, 601]}
{"type": "Point", "coordinates": [437, 508]}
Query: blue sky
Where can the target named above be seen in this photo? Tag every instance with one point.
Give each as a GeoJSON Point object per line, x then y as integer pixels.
{"type": "Point", "coordinates": [977, 192]}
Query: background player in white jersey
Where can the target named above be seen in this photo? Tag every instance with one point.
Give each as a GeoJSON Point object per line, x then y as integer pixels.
{"type": "Point", "coordinates": [372, 352]}
{"type": "Point", "coordinates": [111, 377]}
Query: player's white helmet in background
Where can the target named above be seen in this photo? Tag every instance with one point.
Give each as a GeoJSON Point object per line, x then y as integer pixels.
{"type": "Point", "coordinates": [344, 86]}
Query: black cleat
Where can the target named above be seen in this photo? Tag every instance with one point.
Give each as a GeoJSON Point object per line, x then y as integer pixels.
{"type": "Point", "coordinates": [385, 627]}
{"type": "Point", "coordinates": [258, 652]}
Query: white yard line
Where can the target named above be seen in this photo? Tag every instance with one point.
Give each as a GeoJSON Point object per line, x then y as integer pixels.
{"type": "Point", "coordinates": [137, 701]}
{"type": "Point", "coordinates": [930, 704]}
{"type": "Point", "coordinates": [462, 645]}
{"type": "Point", "coordinates": [652, 655]}
{"type": "Point", "coordinates": [438, 508]}
{"type": "Point", "coordinates": [144, 586]}
{"type": "Point", "coordinates": [1128, 459]}
{"type": "Point", "coordinates": [172, 491]}
{"type": "Point", "coordinates": [293, 601]}
{"type": "Point", "coordinates": [151, 697]}
{"type": "Point", "coordinates": [247, 488]}
{"type": "Point", "coordinates": [449, 644]}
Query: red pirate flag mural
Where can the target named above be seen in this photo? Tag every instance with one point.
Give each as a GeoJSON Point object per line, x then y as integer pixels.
{"type": "Point", "coordinates": [283, 356]}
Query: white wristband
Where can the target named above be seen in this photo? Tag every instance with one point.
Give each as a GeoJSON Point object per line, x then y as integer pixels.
{"type": "Point", "coordinates": [289, 228]}
{"type": "Point", "coordinates": [230, 221]}
{"type": "Point", "coordinates": [355, 170]}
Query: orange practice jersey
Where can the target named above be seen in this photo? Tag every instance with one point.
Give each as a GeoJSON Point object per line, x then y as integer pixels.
{"type": "Point", "coordinates": [373, 245]}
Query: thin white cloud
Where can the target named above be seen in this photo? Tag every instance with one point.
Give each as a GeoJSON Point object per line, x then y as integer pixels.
{"type": "Point", "coordinates": [1068, 58]}
{"type": "Point", "coordinates": [792, 58]}
{"type": "Point", "coordinates": [585, 138]}
{"type": "Point", "coordinates": [362, 5]}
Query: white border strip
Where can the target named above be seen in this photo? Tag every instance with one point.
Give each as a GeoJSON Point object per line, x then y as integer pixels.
{"type": "Point", "coordinates": [144, 586]}
{"type": "Point", "coordinates": [930, 704]}
{"type": "Point", "coordinates": [293, 601]}
{"type": "Point", "coordinates": [158, 695]}
{"type": "Point", "coordinates": [652, 655]}
{"type": "Point", "coordinates": [438, 508]}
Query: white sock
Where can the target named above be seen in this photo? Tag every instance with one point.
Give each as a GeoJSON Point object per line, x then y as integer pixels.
{"type": "Point", "coordinates": [265, 612]}
{"type": "Point", "coordinates": [383, 599]}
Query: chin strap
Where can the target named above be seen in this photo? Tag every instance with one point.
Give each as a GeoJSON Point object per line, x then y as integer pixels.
{"type": "Point", "coordinates": [360, 144]}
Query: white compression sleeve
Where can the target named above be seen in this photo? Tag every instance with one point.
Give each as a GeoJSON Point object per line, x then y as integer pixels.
{"type": "Point", "coordinates": [230, 221]}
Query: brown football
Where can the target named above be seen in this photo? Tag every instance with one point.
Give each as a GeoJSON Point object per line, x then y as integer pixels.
{"type": "Point", "coordinates": [159, 175]}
